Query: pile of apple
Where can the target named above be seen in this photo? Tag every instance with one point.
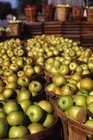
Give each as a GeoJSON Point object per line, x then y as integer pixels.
{"type": "Point", "coordinates": [79, 106]}
{"type": "Point", "coordinates": [59, 55]}
{"type": "Point", "coordinates": [23, 118]}
{"type": "Point", "coordinates": [18, 71]}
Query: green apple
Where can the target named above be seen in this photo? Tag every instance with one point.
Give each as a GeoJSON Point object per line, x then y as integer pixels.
{"type": "Point", "coordinates": [89, 123]}
{"type": "Point", "coordinates": [64, 70]}
{"type": "Point", "coordinates": [23, 94]}
{"type": "Point", "coordinates": [59, 80]}
{"type": "Point", "coordinates": [49, 120]}
{"type": "Point", "coordinates": [35, 86]}
{"type": "Point", "coordinates": [89, 99]}
{"type": "Point", "coordinates": [29, 71]}
{"type": "Point", "coordinates": [73, 66]}
{"type": "Point", "coordinates": [83, 92]}
{"type": "Point", "coordinates": [35, 128]}
{"type": "Point", "coordinates": [80, 100]}
{"type": "Point", "coordinates": [65, 102]}
{"type": "Point", "coordinates": [10, 106]}
{"type": "Point", "coordinates": [51, 87]}
{"type": "Point", "coordinates": [46, 105]}
{"type": "Point", "coordinates": [18, 132]}
{"type": "Point", "coordinates": [35, 113]}
{"type": "Point", "coordinates": [12, 85]}
{"type": "Point", "coordinates": [16, 118]}
{"type": "Point", "coordinates": [90, 107]}
{"type": "Point", "coordinates": [23, 81]}
{"type": "Point", "coordinates": [77, 113]}
{"type": "Point", "coordinates": [12, 78]}
{"type": "Point", "coordinates": [86, 83]}
{"type": "Point", "coordinates": [67, 90]}
{"type": "Point", "coordinates": [3, 128]}
{"type": "Point", "coordinates": [25, 104]}
{"type": "Point", "coordinates": [9, 93]}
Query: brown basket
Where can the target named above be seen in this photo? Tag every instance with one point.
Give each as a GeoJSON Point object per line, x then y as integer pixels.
{"type": "Point", "coordinates": [31, 14]}
{"type": "Point", "coordinates": [62, 13]}
{"type": "Point", "coordinates": [48, 13]}
{"type": "Point", "coordinates": [15, 28]}
{"type": "Point", "coordinates": [90, 14]}
{"type": "Point", "coordinates": [51, 133]}
{"type": "Point", "coordinates": [73, 130]}
{"type": "Point", "coordinates": [77, 12]}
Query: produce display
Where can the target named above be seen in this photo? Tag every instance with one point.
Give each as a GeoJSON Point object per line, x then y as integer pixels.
{"type": "Point", "coordinates": [22, 118]}
{"type": "Point", "coordinates": [39, 65]}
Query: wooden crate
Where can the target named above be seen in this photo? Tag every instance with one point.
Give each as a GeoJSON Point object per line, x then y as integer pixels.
{"type": "Point", "coordinates": [33, 28]}
{"type": "Point", "coordinates": [87, 34]}
{"type": "Point", "coordinates": [53, 27]}
{"type": "Point", "coordinates": [71, 30]}
{"type": "Point", "coordinates": [73, 130]}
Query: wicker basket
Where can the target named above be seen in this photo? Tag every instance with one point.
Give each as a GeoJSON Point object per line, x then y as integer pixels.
{"type": "Point", "coordinates": [15, 28]}
{"type": "Point", "coordinates": [77, 13]}
{"type": "Point", "coordinates": [90, 14]}
{"type": "Point", "coordinates": [48, 13]}
{"type": "Point", "coordinates": [73, 130]}
{"type": "Point", "coordinates": [62, 13]}
{"type": "Point", "coordinates": [31, 14]}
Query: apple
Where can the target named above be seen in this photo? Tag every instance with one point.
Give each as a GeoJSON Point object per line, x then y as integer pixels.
{"type": "Point", "coordinates": [35, 113]}
{"type": "Point", "coordinates": [20, 62]}
{"type": "Point", "coordinates": [57, 90]}
{"type": "Point", "coordinates": [65, 102]}
{"type": "Point", "coordinates": [89, 99]}
{"type": "Point", "coordinates": [77, 113]}
{"type": "Point", "coordinates": [20, 73]}
{"type": "Point", "coordinates": [49, 120]}
{"type": "Point", "coordinates": [29, 71]}
{"type": "Point", "coordinates": [14, 67]}
{"type": "Point", "coordinates": [12, 85]}
{"type": "Point", "coordinates": [23, 81]}
{"type": "Point", "coordinates": [23, 94]}
{"type": "Point", "coordinates": [79, 69]}
{"type": "Point", "coordinates": [59, 80]}
{"type": "Point", "coordinates": [3, 128]}
{"type": "Point", "coordinates": [9, 93]}
{"type": "Point", "coordinates": [35, 128]}
{"type": "Point", "coordinates": [83, 92]}
{"type": "Point", "coordinates": [67, 90]}
{"type": "Point", "coordinates": [29, 61]}
{"type": "Point", "coordinates": [86, 83]}
{"type": "Point", "coordinates": [73, 86]}
{"type": "Point", "coordinates": [51, 87]}
{"type": "Point", "coordinates": [10, 106]}
{"type": "Point", "coordinates": [76, 77]}
{"type": "Point", "coordinates": [35, 86]}
{"type": "Point", "coordinates": [25, 104]}
{"type": "Point", "coordinates": [16, 118]}
{"type": "Point", "coordinates": [90, 107]}
{"type": "Point", "coordinates": [46, 105]}
{"type": "Point", "coordinates": [18, 132]}
{"type": "Point", "coordinates": [12, 78]}
{"type": "Point", "coordinates": [7, 72]}
{"type": "Point", "coordinates": [73, 66]}
{"type": "Point", "coordinates": [64, 70]}
{"type": "Point", "coordinates": [54, 70]}
{"type": "Point", "coordinates": [2, 114]}
{"type": "Point", "coordinates": [80, 100]}
{"type": "Point", "coordinates": [89, 123]}
{"type": "Point", "coordinates": [37, 69]}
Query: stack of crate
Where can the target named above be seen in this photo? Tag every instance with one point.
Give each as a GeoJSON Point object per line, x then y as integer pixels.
{"type": "Point", "coordinates": [33, 28]}
{"type": "Point", "coordinates": [71, 30]}
{"type": "Point", "coordinates": [87, 34]}
{"type": "Point", "coordinates": [52, 27]}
